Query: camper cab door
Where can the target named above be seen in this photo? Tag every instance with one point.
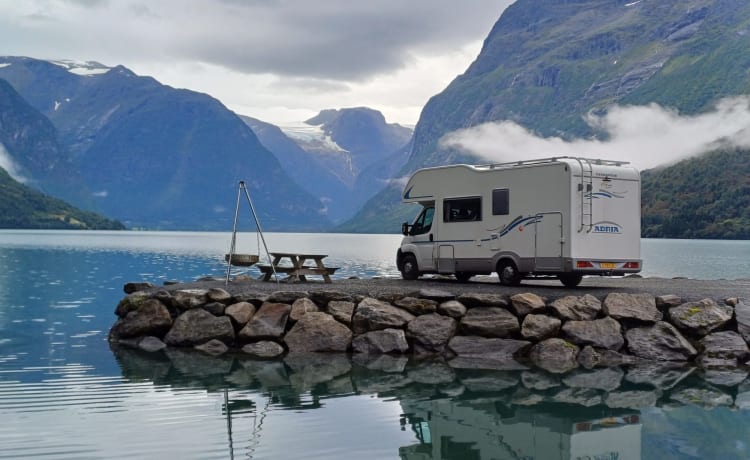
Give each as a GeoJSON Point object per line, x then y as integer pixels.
{"type": "Point", "coordinates": [422, 234]}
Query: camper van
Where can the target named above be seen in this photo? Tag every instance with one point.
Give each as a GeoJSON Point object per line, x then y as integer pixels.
{"type": "Point", "coordinates": [563, 217]}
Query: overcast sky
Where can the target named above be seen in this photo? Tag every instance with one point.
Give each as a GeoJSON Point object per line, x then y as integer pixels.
{"type": "Point", "coordinates": [277, 60]}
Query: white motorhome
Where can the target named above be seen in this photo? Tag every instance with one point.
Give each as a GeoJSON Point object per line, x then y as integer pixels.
{"type": "Point", "coordinates": [564, 217]}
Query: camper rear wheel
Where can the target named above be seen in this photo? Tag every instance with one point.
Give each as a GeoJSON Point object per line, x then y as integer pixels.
{"type": "Point", "coordinates": [508, 273]}
{"type": "Point", "coordinates": [409, 268]}
{"type": "Point", "coordinates": [463, 276]}
{"type": "Point", "coordinates": [570, 280]}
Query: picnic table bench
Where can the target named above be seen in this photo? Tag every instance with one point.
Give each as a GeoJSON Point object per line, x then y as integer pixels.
{"type": "Point", "coordinates": [297, 271]}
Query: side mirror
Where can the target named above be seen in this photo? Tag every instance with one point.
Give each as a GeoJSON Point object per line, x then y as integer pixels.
{"type": "Point", "coordinates": [405, 228]}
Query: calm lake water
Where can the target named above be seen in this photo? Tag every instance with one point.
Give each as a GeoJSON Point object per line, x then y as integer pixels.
{"type": "Point", "coordinates": [65, 393]}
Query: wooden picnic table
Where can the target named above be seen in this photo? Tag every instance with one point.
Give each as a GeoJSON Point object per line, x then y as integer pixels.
{"type": "Point", "coordinates": [297, 271]}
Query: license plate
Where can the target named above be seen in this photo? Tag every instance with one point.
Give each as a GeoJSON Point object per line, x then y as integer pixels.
{"type": "Point", "coordinates": [608, 265]}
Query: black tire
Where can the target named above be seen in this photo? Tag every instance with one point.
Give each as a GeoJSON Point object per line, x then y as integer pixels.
{"type": "Point", "coordinates": [409, 268]}
{"type": "Point", "coordinates": [570, 280]}
{"type": "Point", "coordinates": [508, 273]}
{"type": "Point", "coordinates": [463, 276]}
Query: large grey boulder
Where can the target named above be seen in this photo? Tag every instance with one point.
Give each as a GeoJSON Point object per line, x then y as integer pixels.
{"type": "Point", "coordinates": [723, 348]}
{"type": "Point", "coordinates": [491, 348]}
{"type": "Point", "coordinates": [417, 306]}
{"type": "Point", "coordinates": [318, 331]}
{"type": "Point", "coordinates": [452, 308]}
{"type": "Point", "coordinates": [268, 323]}
{"type": "Point", "coordinates": [576, 308]}
{"type": "Point", "coordinates": [132, 302]}
{"type": "Point", "coordinates": [286, 296]}
{"type": "Point", "coordinates": [665, 302]}
{"type": "Point", "coordinates": [373, 315]}
{"type": "Point", "coordinates": [554, 355]}
{"type": "Point", "coordinates": [215, 308]}
{"type": "Point", "coordinates": [187, 299]}
{"type": "Point", "coordinates": [341, 310]}
{"type": "Point", "coordinates": [659, 342]}
{"type": "Point", "coordinates": [150, 318]}
{"type": "Point", "coordinates": [742, 313]}
{"type": "Point", "coordinates": [700, 318]}
{"type": "Point", "coordinates": [240, 313]}
{"type": "Point", "coordinates": [489, 322]}
{"type": "Point", "coordinates": [324, 297]}
{"type": "Point", "coordinates": [198, 326]}
{"type": "Point", "coordinates": [473, 300]}
{"type": "Point", "coordinates": [219, 295]}
{"type": "Point", "coordinates": [540, 327]}
{"type": "Point", "coordinates": [300, 307]}
{"type": "Point", "coordinates": [431, 332]}
{"type": "Point", "coordinates": [437, 295]}
{"type": "Point", "coordinates": [601, 333]}
{"type": "Point", "coordinates": [381, 341]}
{"type": "Point", "coordinates": [525, 303]}
{"type": "Point", "coordinates": [637, 307]}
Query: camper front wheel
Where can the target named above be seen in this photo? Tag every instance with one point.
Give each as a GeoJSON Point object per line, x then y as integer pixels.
{"type": "Point", "coordinates": [409, 269]}
{"type": "Point", "coordinates": [508, 273]}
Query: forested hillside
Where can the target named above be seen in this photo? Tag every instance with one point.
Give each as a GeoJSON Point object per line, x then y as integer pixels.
{"type": "Point", "coordinates": [705, 197]}
{"type": "Point", "coordinates": [24, 207]}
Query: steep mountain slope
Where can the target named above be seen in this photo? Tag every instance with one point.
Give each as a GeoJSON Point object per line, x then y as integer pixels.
{"type": "Point", "coordinates": [343, 157]}
{"type": "Point", "coordinates": [29, 140]}
{"type": "Point", "coordinates": [24, 207]}
{"type": "Point", "coordinates": [159, 157]}
{"type": "Point", "coordinates": [546, 64]}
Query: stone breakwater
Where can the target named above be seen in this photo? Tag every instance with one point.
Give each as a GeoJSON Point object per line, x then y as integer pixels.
{"type": "Point", "coordinates": [477, 329]}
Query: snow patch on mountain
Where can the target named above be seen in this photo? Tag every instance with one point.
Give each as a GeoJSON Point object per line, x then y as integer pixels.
{"type": "Point", "coordinates": [84, 68]}
{"type": "Point", "coordinates": [311, 137]}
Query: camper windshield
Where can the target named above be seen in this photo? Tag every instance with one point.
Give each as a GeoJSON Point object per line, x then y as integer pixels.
{"type": "Point", "coordinates": [423, 222]}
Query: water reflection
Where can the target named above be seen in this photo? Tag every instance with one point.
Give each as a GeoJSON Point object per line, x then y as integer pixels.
{"type": "Point", "coordinates": [644, 412]}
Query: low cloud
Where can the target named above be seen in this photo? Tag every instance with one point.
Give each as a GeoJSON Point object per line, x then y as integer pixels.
{"type": "Point", "coordinates": [327, 39]}
{"type": "Point", "coordinates": [7, 163]}
{"type": "Point", "coordinates": [646, 136]}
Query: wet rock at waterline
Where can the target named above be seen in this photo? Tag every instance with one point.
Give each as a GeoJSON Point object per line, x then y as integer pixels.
{"type": "Point", "coordinates": [470, 331]}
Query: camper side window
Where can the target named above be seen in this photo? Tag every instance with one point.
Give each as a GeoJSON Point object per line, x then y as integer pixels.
{"type": "Point", "coordinates": [500, 202]}
{"type": "Point", "coordinates": [462, 209]}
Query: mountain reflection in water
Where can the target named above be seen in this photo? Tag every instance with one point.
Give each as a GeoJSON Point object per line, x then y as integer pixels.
{"type": "Point", "coordinates": [648, 411]}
